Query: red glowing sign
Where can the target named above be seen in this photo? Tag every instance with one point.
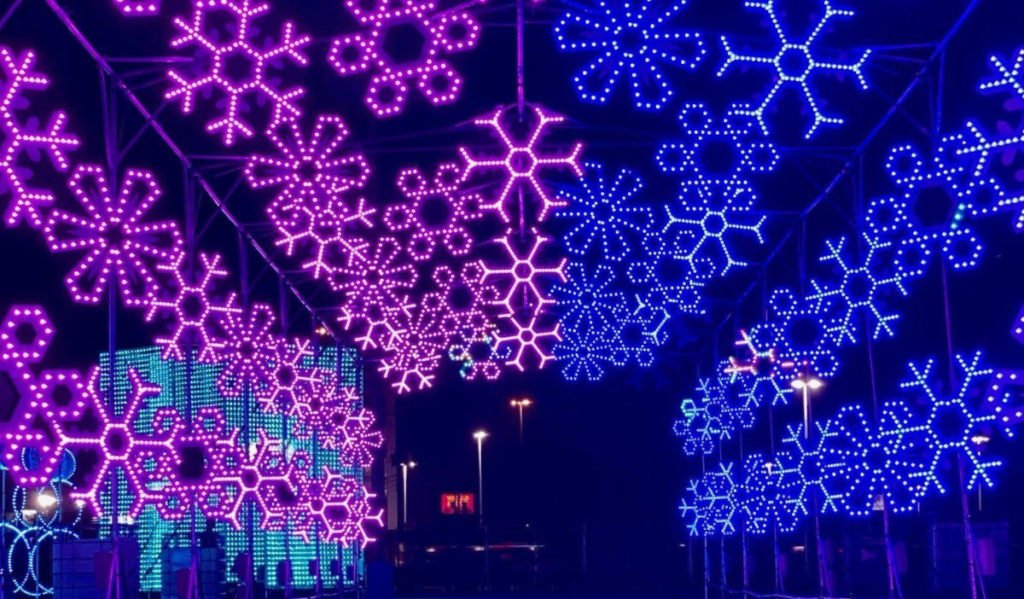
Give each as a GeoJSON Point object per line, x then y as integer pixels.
{"type": "Point", "coordinates": [458, 504]}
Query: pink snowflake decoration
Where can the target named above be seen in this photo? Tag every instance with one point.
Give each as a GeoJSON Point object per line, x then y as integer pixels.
{"type": "Point", "coordinates": [262, 474]}
{"type": "Point", "coordinates": [233, 66]}
{"type": "Point", "coordinates": [193, 308]}
{"type": "Point", "coordinates": [524, 326]}
{"type": "Point", "coordinates": [138, 8]}
{"type": "Point", "coordinates": [112, 233]}
{"type": "Point", "coordinates": [378, 281]}
{"type": "Point", "coordinates": [308, 165]}
{"type": "Point", "coordinates": [24, 139]}
{"type": "Point", "coordinates": [361, 439]}
{"type": "Point", "coordinates": [249, 351]}
{"type": "Point", "coordinates": [116, 443]}
{"type": "Point", "coordinates": [324, 231]}
{"type": "Point", "coordinates": [342, 511]}
{"type": "Point", "coordinates": [436, 212]}
{"type": "Point", "coordinates": [289, 377]}
{"type": "Point", "coordinates": [522, 162]}
{"type": "Point", "coordinates": [438, 33]}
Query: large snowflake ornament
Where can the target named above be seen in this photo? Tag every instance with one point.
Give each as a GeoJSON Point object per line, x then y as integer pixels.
{"type": "Point", "coordinates": [377, 284]}
{"type": "Point", "coordinates": [881, 464]}
{"type": "Point", "coordinates": [932, 208]}
{"type": "Point", "coordinates": [405, 42]}
{"type": "Point", "coordinates": [765, 496]}
{"type": "Point", "coordinates": [667, 278]}
{"type": "Point", "coordinates": [715, 152]}
{"type": "Point", "coordinates": [951, 422]}
{"type": "Point", "coordinates": [796, 63]}
{"type": "Point", "coordinates": [290, 375]}
{"type": "Point", "coordinates": [638, 333]}
{"type": "Point", "coordinates": [633, 38]}
{"type": "Point", "coordinates": [249, 351]}
{"type": "Point", "coordinates": [24, 140]}
{"type": "Point", "coordinates": [360, 439]}
{"type": "Point", "coordinates": [584, 353]}
{"type": "Point", "coordinates": [809, 471]}
{"type": "Point", "coordinates": [233, 66]}
{"type": "Point", "coordinates": [310, 166]}
{"type": "Point", "coordinates": [859, 294]}
{"type": "Point", "coordinates": [703, 236]}
{"type": "Point", "coordinates": [328, 233]}
{"type": "Point", "coordinates": [588, 299]}
{"type": "Point", "coordinates": [711, 506]}
{"type": "Point", "coordinates": [193, 306]}
{"type": "Point", "coordinates": [607, 221]}
{"type": "Point", "coordinates": [116, 241]}
{"type": "Point", "coordinates": [435, 212]}
{"type": "Point", "coordinates": [522, 163]}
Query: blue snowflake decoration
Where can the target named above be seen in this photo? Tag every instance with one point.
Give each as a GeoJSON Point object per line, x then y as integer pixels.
{"type": "Point", "coordinates": [583, 353]}
{"type": "Point", "coordinates": [879, 463]}
{"type": "Point", "coordinates": [860, 290]}
{"type": "Point", "coordinates": [606, 221]}
{"type": "Point", "coordinates": [930, 212]}
{"type": "Point", "coordinates": [702, 235]}
{"type": "Point", "coordinates": [711, 152]}
{"type": "Point", "coordinates": [588, 300]}
{"type": "Point", "coordinates": [667, 277]}
{"type": "Point", "coordinates": [765, 498]}
{"type": "Point", "coordinates": [810, 471]}
{"type": "Point", "coordinates": [710, 506]}
{"type": "Point", "coordinates": [951, 424]}
{"type": "Point", "coordinates": [694, 431]}
{"type": "Point", "coordinates": [720, 409]}
{"type": "Point", "coordinates": [796, 64]}
{"type": "Point", "coordinates": [633, 38]}
{"type": "Point", "coordinates": [637, 334]}
{"type": "Point", "coordinates": [800, 331]}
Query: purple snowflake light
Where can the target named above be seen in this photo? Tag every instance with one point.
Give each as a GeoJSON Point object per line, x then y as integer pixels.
{"type": "Point", "coordinates": [521, 161]}
{"type": "Point", "coordinates": [231, 63]}
{"type": "Point", "coordinates": [438, 33]}
{"type": "Point", "coordinates": [249, 350]}
{"type": "Point", "coordinates": [116, 241]}
{"type": "Point", "coordinates": [22, 138]}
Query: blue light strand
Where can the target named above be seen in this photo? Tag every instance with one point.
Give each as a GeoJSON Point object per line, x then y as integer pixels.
{"type": "Point", "coordinates": [607, 221]}
{"type": "Point", "coordinates": [633, 38]}
{"type": "Point", "coordinates": [795, 64]}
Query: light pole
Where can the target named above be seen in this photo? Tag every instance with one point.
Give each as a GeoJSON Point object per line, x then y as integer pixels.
{"type": "Point", "coordinates": [406, 467]}
{"type": "Point", "coordinates": [980, 441]}
{"type": "Point", "coordinates": [480, 436]}
{"type": "Point", "coordinates": [806, 384]}
{"type": "Point", "coordinates": [521, 404]}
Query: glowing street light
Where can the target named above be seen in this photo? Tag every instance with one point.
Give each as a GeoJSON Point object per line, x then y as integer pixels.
{"type": "Point", "coordinates": [805, 384]}
{"type": "Point", "coordinates": [521, 404]}
{"type": "Point", "coordinates": [480, 436]}
{"type": "Point", "coordinates": [406, 467]}
{"type": "Point", "coordinates": [45, 501]}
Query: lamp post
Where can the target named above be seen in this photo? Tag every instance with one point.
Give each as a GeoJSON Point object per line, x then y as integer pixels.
{"type": "Point", "coordinates": [805, 384]}
{"type": "Point", "coordinates": [980, 440]}
{"type": "Point", "coordinates": [406, 467]}
{"type": "Point", "coordinates": [521, 404]}
{"type": "Point", "coordinates": [480, 436]}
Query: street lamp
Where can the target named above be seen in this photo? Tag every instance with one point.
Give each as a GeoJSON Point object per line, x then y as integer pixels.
{"type": "Point", "coordinates": [980, 440]}
{"type": "Point", "coordinates": [521, 404]}
{"type": "Point", "coordinates": [480, 436]}
{"type": "Point", "coordinates": [406, 467]}
{"type": "Point", "coordinates": [806, 384]}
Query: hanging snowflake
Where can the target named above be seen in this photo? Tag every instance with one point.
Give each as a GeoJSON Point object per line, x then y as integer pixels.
{"type": "Point", "coordinates": [112, 233]}
{"type": "Point", "coordinates": [629, 37]}
{"type": "Point", "coordinates": [233, 67]}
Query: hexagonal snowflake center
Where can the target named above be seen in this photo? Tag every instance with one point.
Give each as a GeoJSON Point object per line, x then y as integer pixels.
{"type": "Point", "coordinates": [717, 157]}
{"type": "Point", "coordinates": [115, 440]}
{"type": "Point", "coordinates": [285, 376]}
{"type": "Point", "coordinates": [804, 332]}
{"type": "Point", "coordinates": [193, 462]}
{"type": "Point", "coordinates": [714, 223]}
{"type": "Point", "coordinates": [859, 287]}
{"type": "Point", "coordinates": [247, 349]}
{"type": "Point", "coordinates": [810, 469]}
{"type": "Point", "coordinates": [435, 212]}
{"type": "Point", "coordinates": [603, 211]}
{"type": "Point", "coordinates": [239, 68]}
{"type": "Point", "coordinates": [249, 479]}
{"type": "Point", "coordinates": [326, 227]}
{"type": "Point", "coordinates": [61, 395]}
{"type": "Point", "coordinates": [521, 162]}
{"type": "Point", "coordinates": [191, 305]}
{"type": "Point", "coordinates": [795, 62]}
{"type": "Point", "coordinates": [307, 169]}
{"type": "Point", "coordinates": [114, 234]}
{"type": "Point", "coordinates": [951, 424]}
{"type": "Point", "coordinates": [632, 39]}
{"type": "Point", "coordinates": [876, 458]}
{"type": "Point", "coordinates": [404, 43]}
{"type": "Point", "coordinates": [935, 209]}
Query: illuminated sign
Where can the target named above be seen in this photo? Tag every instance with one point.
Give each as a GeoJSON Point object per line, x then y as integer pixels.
{"type": "Point", "coordinates": [458, 504]}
